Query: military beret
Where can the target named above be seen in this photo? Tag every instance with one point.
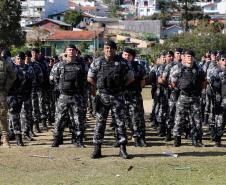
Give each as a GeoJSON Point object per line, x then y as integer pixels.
{"type": "Point", "coordinates": [36, 50]}
{"type": "Point", "coordinates": [110, 43]}
{"type": "Point", "coordinates": [163, 53]}
{"type": "Point", "coordinates": [130, 51]}
{"type": "Point", "coordinates": [189, 52]}
{"type": "Point", "coordinates": [21, 55]}
{"type": "Point", "coordinates": [71, 46]}
{"type": "Point", "coordinates": [28, 53]}
{"type": "Point", "coordinates": [178, 50]}
{"type": "Point", "coordinates": [170, 53]}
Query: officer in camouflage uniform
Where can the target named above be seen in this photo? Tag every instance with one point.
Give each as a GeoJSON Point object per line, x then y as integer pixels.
{"type": "Point", "coordinates": [7, 77]}
{"type": "Point", "coordinates": [172, 93]}
{"type": "Point", "coordinates": [37, 91]}
{"type": "Point", "coordinates": [18, 94]}
{"type": "Point", "coordinates": [110, 74]}
{"type": "Point", "coordinates": [217, 79]}
{"type": "Point", "coordinates": [134, 100]}
{"type": "Point", "coordinates": [71, 75]}
{"type": "Point", "coordinates": [188, 78]}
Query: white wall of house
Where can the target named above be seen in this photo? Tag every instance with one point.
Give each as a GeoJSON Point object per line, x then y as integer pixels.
{"type": "Point", "coordinates": [35, 10]}
{"type": "Point", "coordinates": [146, 7]}
{"type": "Point", "coordinates": [222, 7]}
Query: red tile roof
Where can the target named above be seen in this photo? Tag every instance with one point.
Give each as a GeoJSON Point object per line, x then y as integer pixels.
{"type": "Point", "coordinates": [73, 35]}
{"type": "Point", "coordinates": [87, 8]}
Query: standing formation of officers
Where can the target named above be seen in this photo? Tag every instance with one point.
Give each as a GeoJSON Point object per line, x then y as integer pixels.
{"type": "Point", "coordinates": [187, 93]}
{"type": "Point", "coordinates": [35, 90]}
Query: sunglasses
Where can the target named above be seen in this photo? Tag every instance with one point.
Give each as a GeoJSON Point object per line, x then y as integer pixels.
{"type": "Point", "coordinates": [223, 59]}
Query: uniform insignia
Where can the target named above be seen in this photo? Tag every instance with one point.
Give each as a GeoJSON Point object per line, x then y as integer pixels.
{"type": "Point", "coordinates": [116, 63]}
{"type": "Point", "coordinates": [193, 71]}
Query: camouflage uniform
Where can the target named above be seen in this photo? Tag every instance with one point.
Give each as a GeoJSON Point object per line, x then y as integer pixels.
{"type": "Point", "coordinates": [70, 77]}
{"type": "Point", "coordinates": [111, 79]}
{"type": "Point", "coordinates": [218, 84]}
{"type": "Point", "coordinates": [134, 102]}
{"type": "Point", "coordinates": [18, 95]}
{"type": "Point", "coordinates": [7, 77]}
{"type": "Point", "coordinates": [172, 98]}
{"type": "Point", "coordinates": [37, 93]}
{"type": "Point", "coordinates": [188, 81]}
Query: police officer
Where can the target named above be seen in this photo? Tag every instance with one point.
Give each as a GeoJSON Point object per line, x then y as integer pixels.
{"type": "Point", "coordinates": [110, 74]}
{"type": "Point", "coordinates": [18, 94]}
{"type": "Point", "coordinates": [188, 78]}
{"type": "Point", "coordinates": [71, 75]}
{"type": "Point", "coordinates": [217, 80]}
{"type": "Point", "coordinates": [7, 77]}
{"type": "Point", "coordinates": [134, 100]}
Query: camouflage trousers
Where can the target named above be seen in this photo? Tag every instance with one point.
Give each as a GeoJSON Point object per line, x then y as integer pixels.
{"type": "Point", "coordinates": [26, 115]}
{"type": "Point", "coordinates": [69, 105]}
{"type": "Point", "coordinates": [171, 109]}
{"type": "Point", "coordinates": [3, 113]}
{"type": "Point", "coordinates": [50, 105]}
{"type": "Point", "coordinates": [105, 103]}
{"type": "Point", "coordinates": [188, 107]}
{"type": "Point", "coordinates": [135, 118]}
{"type": "Point", "coordinates": [38, 97]}
{"type": "Point", "coordinates": [15, 104]}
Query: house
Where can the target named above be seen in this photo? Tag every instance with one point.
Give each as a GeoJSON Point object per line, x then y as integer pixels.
{"type": "Point", "coordinates": [51, 25]}
{"type": "Point", "coordinates": [210, 8]}
{"type": "Point", "coordinates": [59, 39]}
{"type": "Point", "coordinates": [36, 10]}
{"type": "Point", "coordinates": [172, 30]}
{"type": "Point", "coordinates": [146, 7]}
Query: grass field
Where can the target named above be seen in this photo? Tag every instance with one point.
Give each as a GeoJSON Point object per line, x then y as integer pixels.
{"type": "Point", "coordinates": [39, 164]}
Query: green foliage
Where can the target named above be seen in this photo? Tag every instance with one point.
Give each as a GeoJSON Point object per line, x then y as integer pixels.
{"type": "Point", "coordinates": [107, 2]}
{"type": "Point", "coordinates": [149, 36]}
{"type": "Point", "coordinates": [14, 50]}
{"type": "Point", "coordinates": [83, 46]}
{"type": "Point", "coordinates": [10, 29]}
{"type": "Point", "coordinates": [121, 44]}
{"type": "Point", "coordinates": [201, 40]}
{"type": "Point", "coordinates": [73, 17]}
{"type": "Point", "coordinates": [113, 11]}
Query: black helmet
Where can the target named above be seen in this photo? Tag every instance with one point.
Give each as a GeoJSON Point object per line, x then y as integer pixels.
{"type": "Point", "coordinates": [110, 43]}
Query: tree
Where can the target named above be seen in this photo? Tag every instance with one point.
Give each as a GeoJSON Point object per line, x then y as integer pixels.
{"type": "Point", "coordinates": [83, 46]}
{"type": "Point", "coordinates": [202, 39]}
{"type": "Point", "coordinates": [36, 36]}
{"type": "Point", "coordinates": [10, 29]}
{"type": "Point", "coordinates": [73, 17]}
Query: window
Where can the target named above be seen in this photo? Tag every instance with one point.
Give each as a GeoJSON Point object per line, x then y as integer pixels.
{"type": "Point", "coordinates": [145, 3]}
{"type": "Point", "coordinates": [39, 9]}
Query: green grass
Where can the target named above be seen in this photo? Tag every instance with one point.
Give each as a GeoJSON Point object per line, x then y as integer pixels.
{"type": "Point", "coordinates": [68, 165]}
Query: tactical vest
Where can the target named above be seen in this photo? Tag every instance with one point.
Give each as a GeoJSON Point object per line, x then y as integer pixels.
{"type": "Point", "coordinates": [71, 78]}
{"type": "Point", "coordinates": [189, 81]}
{"type": "Point", "coordinates": [110, 78]}
{"type": "Point", "coordinates": [135, 85]}
{"type": "Point", "coordinates": [223, 86]}
{"type": "Point", "coordinates": [3, 75]}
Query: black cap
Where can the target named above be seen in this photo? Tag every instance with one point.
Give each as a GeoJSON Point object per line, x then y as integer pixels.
{"type": "Point", "coordinates": [71, 46]}
{"type": "Point", "coordinates": [222, 56]}
{"type": "Point", "coordinates": [28, 53]}
{"type": "Point", "coordinates": [219, 53]}
{"type": "Point", "coordinates": [170, 53]}
{"type": "Point", "coordinates": [21, 55]}
{"type": "Point", "coordinates": [189, 52]}
{"type": "Point", "coordinates": [5, 53]}
{"type": "Point", "coordinates": [130, 51]}
{"type": "Point", "coordinates": [110, 43]}
{"type": "Point", "coordinates": [36, 50]}
{"type": "Point", "coordinates": [213, 53]}
{"type": "Point", "coordinates": [180, 50]}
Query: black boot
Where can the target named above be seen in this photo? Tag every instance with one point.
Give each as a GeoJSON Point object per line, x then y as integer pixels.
{"type": "Point", "coordinates": [162, 130]}
{"type": "Point", "coordinates": [122, 152]}
{"type": "Point", "coordinates": [177, 141]}
{"type": "Point", "coordinates": [56, 141]}
{"type": "Point", "coordinates": [79, 142]}
{"type": "Point", "coordinates": [37, 128]}
{"type": "Point", "coordinates": [97, 152]}
{"type": "Point", "coordinates": [168, 135]}
{"type": "Point", "coordinates": [19, 141]}
{"type": "Point", "coordinates": [196, 142]}
{"type": "Point", "coordinates": [142, 142]}
{"type": "Point", "coordinates": [136, 141]}
{"type": "Point", "coordinates": [61, 139]}
{"type": "Point", "coordinates": [218, 142]}
{"type": "Point", "coordinates": [44, 125]}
